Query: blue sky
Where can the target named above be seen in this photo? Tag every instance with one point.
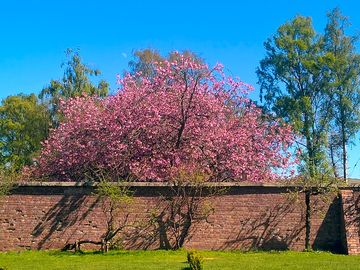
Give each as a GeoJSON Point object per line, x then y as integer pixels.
{"type": "Point", "coordinates": [34, 35]}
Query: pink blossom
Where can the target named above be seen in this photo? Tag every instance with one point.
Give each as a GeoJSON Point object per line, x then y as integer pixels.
{"type": "Point", "coordinates": [186, 116]}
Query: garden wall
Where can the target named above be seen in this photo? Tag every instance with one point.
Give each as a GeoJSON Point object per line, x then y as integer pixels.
{"type": "Point", "coordinates": [51, 215]}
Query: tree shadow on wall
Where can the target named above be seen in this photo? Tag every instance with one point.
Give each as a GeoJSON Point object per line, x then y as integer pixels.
{"type": "Point", "coordinates": [266, 231]}
{"type": "Point", "coordinates": [160, 230]}
{"type": "Point", "coordinates": [347, 216]}
{"type": "Point", "coordinates": [60, 217]}
{"type": "Point", "coordinates": [328, 236]}
{"type": "Point", "coordinates": [149, 234]}
{"type": "Point", "coordinates": [152, 233]}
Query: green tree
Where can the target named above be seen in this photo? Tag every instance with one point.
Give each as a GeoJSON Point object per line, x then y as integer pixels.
{"type": "Point", "coordinates": [344, 70]}
{"type": "Point", "coordinates": [293, 83]}
{"type": "Point", "coordinates": [75, 82]}
{"type": "Point", "coordinates": [24, 123]}
{"type": "Point", "coordinates": [144, 60]}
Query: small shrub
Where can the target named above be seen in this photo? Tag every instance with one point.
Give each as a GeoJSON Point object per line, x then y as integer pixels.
{"type": "Point", "coordinates": [8, 179]}
{"type": "Point", "coordinates": [116, 244]}
{"type": "Point", "coordinates": [195, 259]}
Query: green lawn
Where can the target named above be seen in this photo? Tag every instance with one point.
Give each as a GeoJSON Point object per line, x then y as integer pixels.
{"type": "Point", "coordinates": [38, 260]}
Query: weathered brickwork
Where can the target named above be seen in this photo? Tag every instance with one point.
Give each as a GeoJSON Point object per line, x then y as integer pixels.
{"type": "Point", "coordinates": [245, 217]}
{"type": "Point", "coordinates": [351, 215]}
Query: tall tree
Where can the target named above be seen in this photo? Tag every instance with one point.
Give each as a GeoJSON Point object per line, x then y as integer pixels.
{"type": "Point", "coordinates": [293, 85]}
{"type": "Point", "coordinates": [344, 71]}
{"type": "Point", "coordinates": [75, 82]}
{"type": "Point", "coordinates": [24, 123]}
{"type": "Point", "coordinates": [291, 78]}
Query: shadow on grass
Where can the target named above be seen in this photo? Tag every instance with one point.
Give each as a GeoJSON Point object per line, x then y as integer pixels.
{"type": "Point", "coordinates": [59, 253]}
{"type": "Point", "coordinates": [187, 267]}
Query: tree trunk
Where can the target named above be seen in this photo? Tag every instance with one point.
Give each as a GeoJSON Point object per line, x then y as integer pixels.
{"type": "Point", "coordinates": [333, 163]}
{"type": "Point", "coordinates": [344, 152]}
{"type": "Point", "coordinates": [309, 147]}
{"type": "Point", "coordinates": [343, 138]}
{"type": "Point", "coordinates": [312, 174]}
{"type": "Point", "coordinates": [307, 220]}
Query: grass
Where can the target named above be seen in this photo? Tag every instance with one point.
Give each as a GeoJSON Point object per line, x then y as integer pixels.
{"type": "Point", "coordinates": [55, 260]}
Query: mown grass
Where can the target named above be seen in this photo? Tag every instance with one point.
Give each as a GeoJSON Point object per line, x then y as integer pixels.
{"type": "Point", "coordinates": [54, 260]}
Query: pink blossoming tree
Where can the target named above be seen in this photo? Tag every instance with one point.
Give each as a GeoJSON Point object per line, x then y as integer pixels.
{"type": "Point", "coordinates": [186, 117]}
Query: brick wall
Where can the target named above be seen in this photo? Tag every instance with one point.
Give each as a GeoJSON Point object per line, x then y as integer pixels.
{"type": "Point", "coordinates": [244, 217]}
{"type": "Point", "coordinates": [351, 222]}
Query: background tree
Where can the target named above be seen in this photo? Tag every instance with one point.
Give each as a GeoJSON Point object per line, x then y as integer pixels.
{"type": "Point", "coordinates": [294, 83]}
{"type": "Point", "coordinates": [75, 82]}
{"type": "Point", "coordinates": [24, 123]}
{"type": "Point", "coordinates": [146, 60]}
{"type": "Point", "coordinates": [344, 71]}
{"type": "Point", "coordinates": [291, 78]}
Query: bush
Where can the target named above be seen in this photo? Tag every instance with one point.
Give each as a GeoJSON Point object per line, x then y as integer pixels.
{"type": "Point", "coordinates": [8, 179]}
{"type": "Point", "coordinates": [195, 259]}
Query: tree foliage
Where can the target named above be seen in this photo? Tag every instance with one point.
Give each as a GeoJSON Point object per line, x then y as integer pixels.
{"type": "Point", "coordinates": [24, 123]}
{"type": "Point", "coordinates": [145, 61]}
{"type": "Point", "coordinates": [312, 81]}
{"type": "Point", "coordinates": [8, 179]}
{"type": "Point", "coordinates": [344, 84]}
{"type": "Point", "coordinates": [186, 117]}
{"type": "Point", "coordinates": [75, 82]}
{"type": "Point", "coordinates": [292, 85]}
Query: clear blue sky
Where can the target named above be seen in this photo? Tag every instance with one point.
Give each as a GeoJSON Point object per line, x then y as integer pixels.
{"type": "Point", "coordinates": [34, 35]}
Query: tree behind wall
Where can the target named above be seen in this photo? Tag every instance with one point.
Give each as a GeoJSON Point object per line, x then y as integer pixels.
{"type": "Point", "coordinates": [145, 61]}
{"type": "Point", "coordinates": [291, 78]}
{"type": "Point", "coordinates": [311, 80]}
{"type": "Point", "coordinates": [291, 86]}
{"type": "Point", "coordinates": [344, 71]}
{"type": "Point", "coordinates": [186, 116]}
{"type": "Point", "coordinates": [75, 82]}
{"type": "Point", "coordinates": [24, 123]}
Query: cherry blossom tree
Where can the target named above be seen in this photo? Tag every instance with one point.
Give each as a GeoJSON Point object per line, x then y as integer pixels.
{"type": "Point", "coordinates": [186, 117]}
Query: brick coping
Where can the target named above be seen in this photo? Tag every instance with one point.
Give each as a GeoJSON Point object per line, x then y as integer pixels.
{"type": "Point", "coordinates": [167, 184]}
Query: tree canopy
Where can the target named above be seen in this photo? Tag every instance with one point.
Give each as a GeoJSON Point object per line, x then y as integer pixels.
{"type": "Point", "coordinates": [145, 61]}
{"type": "Point", "coordinates": [311, 81]}
{"type": "Point", "coordinates": [344, 84]}
{"type": "Point", "coordinates": [186, 117]}
{"type": "Point", "coordinates": [24, 123]}
{"type": "Point", "coordinates": [75, 82]}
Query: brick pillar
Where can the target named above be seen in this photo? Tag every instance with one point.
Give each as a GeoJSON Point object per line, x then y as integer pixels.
{"type": "Point", "coordinates": [351, 222]}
